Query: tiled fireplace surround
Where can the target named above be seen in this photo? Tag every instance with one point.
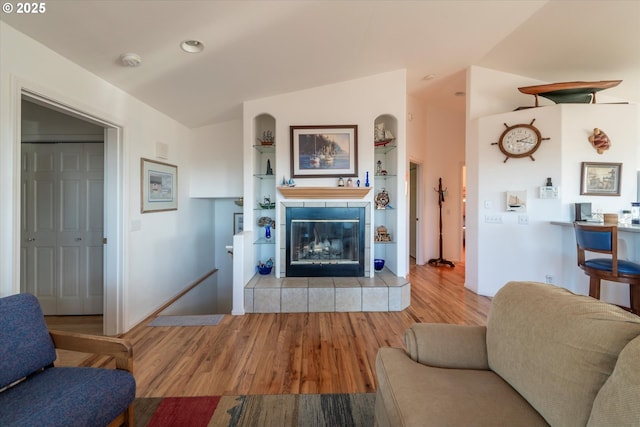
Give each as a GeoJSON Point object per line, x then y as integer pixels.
{"type": "Point", "coordinates": [383, 292]}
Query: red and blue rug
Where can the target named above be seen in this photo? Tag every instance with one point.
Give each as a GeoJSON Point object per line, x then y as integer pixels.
{"type": "Point", "coordinates": [281, 410]}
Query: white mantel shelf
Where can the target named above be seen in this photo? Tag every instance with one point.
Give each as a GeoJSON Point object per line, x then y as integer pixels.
{"type": "Point", "coordinates": [324, 192]}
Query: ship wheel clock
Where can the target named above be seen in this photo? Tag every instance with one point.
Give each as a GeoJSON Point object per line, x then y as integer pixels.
{"type": "Point", "coordinates": [521, 140]}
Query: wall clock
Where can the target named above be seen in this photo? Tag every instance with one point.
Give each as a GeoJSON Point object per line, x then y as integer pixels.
{"type": "Point", "coordinates": [521, 140]}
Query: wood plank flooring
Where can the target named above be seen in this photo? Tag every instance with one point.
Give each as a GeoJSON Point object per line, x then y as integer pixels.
{"type": "Point", "coordinates": [292, 353]}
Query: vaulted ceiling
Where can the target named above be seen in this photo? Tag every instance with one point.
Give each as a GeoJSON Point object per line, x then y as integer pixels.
{"type": "Point", "coordinates": [258, 48]}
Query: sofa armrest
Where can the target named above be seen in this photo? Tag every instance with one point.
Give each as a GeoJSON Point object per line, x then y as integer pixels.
{"type": "Point", "coordinates": [447, 346]}
{"type": "Point", "coordinates": [120, 349]}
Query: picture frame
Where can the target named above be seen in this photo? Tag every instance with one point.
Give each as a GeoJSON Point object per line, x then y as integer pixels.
{"type": "Point", "coordinates": [158, 186]}
{"type": "Point", "coordinates": [238, 223]}
{"type": "Point", "coordinates": [600, 179]}
{"type": "Point", "coordinates": [324, 151]}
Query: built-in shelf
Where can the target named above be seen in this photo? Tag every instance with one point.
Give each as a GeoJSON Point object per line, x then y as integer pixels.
{"type": "Point", "coordinates": [324, 192]}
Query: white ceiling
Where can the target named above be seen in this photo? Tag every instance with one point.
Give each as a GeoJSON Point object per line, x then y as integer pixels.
{"type": "Point", "coordinates": [255, 49]}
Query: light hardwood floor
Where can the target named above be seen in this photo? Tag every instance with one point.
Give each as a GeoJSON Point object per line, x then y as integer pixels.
{"type": "Point", "coordinates": [292, 353]}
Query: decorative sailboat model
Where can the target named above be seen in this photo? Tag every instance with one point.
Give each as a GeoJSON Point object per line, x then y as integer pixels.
{"type": "Point", "coordinates": [382, 136]}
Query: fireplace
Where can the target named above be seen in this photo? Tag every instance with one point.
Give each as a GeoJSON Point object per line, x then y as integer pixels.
{"type": "Point", "coordinates": [325, 241]}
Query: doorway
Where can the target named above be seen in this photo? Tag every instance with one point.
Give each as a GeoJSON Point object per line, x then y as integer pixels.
{"type": "Point", "coordinates": [415, 212]}
{"type": "Point", "coordinates": [99, 145]}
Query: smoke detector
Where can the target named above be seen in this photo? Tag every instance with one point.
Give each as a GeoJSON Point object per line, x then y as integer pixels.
{"type": "Point", "coordinates": [130, 59]}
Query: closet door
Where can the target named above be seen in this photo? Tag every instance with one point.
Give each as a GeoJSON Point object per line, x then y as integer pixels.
{"type": "Point", "coordinates": [39, 224]}
{"type": "Point", "coordinates": [64, 262]}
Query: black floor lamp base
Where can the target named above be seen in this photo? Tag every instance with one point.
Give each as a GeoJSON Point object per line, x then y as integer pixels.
{"type": "Point", "coordinates": [436, 262]}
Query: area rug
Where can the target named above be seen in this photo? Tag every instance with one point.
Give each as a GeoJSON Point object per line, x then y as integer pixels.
{"type": "Point", "coordinates": [278, 410]}
{"type": "Point", "coordinates": [193, 320]}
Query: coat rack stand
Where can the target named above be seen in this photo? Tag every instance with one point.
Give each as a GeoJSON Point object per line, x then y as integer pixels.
{"type": "Point", "coordinates": [436, 262]}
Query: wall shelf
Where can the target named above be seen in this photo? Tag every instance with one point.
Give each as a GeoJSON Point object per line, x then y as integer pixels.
{"type": "Point", "coordinates": [324, 192]}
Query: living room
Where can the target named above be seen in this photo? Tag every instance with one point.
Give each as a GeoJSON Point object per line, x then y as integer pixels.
{"type": "Point", "coordinates": [188, 243]}
{"type": "Point", "coordinates": [151, 258]}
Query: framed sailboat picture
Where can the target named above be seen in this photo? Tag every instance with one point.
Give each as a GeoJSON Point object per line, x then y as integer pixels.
{"type": "Point", "coordinates": [516, 201]}
{"type": "Point", "coordinates": [324, 151]}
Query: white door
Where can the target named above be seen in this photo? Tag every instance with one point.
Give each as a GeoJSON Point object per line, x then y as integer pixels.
{"type": "Point", "coordinates": [63, 213]}
{"type": "Point", "coordinates": [39, 218]}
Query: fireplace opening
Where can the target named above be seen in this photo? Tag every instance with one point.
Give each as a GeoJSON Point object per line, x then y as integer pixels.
{"type": "Point", "coordinates": [325, 242]}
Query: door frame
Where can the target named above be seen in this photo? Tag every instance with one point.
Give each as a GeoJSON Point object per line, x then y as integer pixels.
{"type": "Point", "coordinates": [114, 206]}
{"type": "Point", "coordinates": [418, 194]}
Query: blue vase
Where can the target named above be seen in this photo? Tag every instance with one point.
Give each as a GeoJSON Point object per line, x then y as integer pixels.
{"type": "Point", "coordinates": [267, 231]}
{"type": "Point", "coordinates": [366, 179]}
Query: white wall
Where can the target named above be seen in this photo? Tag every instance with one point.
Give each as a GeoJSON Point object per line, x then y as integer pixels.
{"type": "Point", "coordinates": [170, 249]}
{"type": "Point", "coordinates": [497, 253]}
{"type": "Point", "coordinates": [216, 160]}
{"type": "Point", "coordinates": [217, 174]}
{"type": "Point", "coordinates": [444, 159]}
{"type": "Point", "coordinates": [416, 153]}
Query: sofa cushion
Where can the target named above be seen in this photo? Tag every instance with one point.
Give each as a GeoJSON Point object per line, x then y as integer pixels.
{"type": "Point", "coordinates": [413, 394]}
{"type": "Point", "coordinates": [618, 402]}
{"type": "Point", "coordinates": [25, 343]}
{"type": "Point", "coordinates": [556, 348]}
{"type": "Point", "coordinates": [68, 397]}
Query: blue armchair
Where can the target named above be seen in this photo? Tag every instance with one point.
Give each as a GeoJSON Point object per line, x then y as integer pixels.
{"type": "Point", "coordinates": [35, 393]}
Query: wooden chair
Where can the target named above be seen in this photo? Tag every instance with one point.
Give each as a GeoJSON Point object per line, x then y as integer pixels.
{"type": "Point", "coordinates": [603, 239]}
{"type": "Point", "coordinates": [35, 392]}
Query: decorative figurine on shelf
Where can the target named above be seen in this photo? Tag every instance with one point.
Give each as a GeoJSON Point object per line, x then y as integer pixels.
{"type": "Point", "coordinates": [549, 183]}
{"type": "Point", "coordinates": [366, 179]}
{"type": "Point", "coordinates": [379, 167]}
{"type": "Point", "coordinates": [265, 267]}
{"type": "Point", "coordinates": [267, 231]}
{"type": "Point", "coordinates": [291, 183]}
{"type": "Point", "coordinates": [269, 170]}
{"type": "Point", "coordinates": [382, 234]}
{"type": "Point", "coordinates": [382, 199]}
{"type": "Point", "coordinates": [358, 183]}
{"type": "Point", "coordinates": [381, 136]}
{"type": "Point", "coordinates": [349, 182]}
{"type": "Point", "coordinates": [284, 181]}
{"type": "Point", "coordinates": [267, 138]}
{"type": "Point", "coordinates": [340, 182]}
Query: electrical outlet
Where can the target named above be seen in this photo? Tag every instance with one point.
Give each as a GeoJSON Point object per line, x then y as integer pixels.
{"type": "Point", "coordinates": [523, 219]}
{"type": "Point", "coordinates": [493, 219]}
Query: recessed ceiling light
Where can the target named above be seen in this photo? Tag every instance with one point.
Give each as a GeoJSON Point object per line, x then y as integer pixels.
{"type": "Point", "coordinates": [192, 46]}
{"type": "Point", "coordinates": [429, 77]}
{"type": "Point", "coordinates": [130, 59]}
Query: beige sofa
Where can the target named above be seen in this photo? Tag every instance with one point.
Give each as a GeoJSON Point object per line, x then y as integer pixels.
{"type": "Point", "coordinates": [546, 357]}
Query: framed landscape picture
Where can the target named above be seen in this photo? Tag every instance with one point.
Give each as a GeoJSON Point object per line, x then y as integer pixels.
{"type": "Point", "coordinates": [600, 179]}
{"type": "Point", "coordinates": [324, 151]}
{"type": "Point", "coordinates": [158, 186]}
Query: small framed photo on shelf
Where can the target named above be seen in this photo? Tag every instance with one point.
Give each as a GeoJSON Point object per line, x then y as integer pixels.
{"type": "Point", "coordinates": [238, 222]}
{"type": "Point", "coordinates": [324, 151]}
{"type": "Point", "coordinates": [600, 179]}
{"type": "Point", "coordinates": [158, 186]}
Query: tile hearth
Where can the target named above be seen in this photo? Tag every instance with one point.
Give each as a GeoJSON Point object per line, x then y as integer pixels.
{"type": "Point", "coordinates": [384, 292]}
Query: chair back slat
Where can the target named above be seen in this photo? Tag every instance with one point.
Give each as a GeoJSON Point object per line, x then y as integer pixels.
{"type": "Point", "coordinates": [595, 240]}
